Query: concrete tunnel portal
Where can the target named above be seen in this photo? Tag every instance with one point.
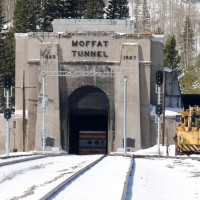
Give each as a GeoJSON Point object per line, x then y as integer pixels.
{"type": "Point", "coordinates": [88, 121]}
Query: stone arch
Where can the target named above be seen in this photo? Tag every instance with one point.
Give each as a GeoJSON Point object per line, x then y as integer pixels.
{"type": "Point", "coordinates": [88, 121]}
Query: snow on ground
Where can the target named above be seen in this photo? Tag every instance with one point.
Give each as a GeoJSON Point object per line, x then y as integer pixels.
{"type": "Point", "coordinates": [32, 179]}
{"type": "Point", "coordinates": [166, 179]}
{"type": "Point", "coordinates": [151, 179]}
{"type": "Point", "coordinates": [105, 181]}
{"type": "Point", "coordinates": [154, 151]}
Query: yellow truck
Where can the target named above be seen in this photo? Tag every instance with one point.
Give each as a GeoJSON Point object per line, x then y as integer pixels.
{"type": "Point", "coordinates": [187, 136]}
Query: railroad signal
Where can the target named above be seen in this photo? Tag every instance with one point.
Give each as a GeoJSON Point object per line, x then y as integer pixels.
{"type": "Point", "coordinates": [159, 77]}
{"type": "Point", "coordinates": [7, 82]}
{"type": "Point", "coordinates": [159, 109]}
{"type": "Point", "coordinates": [7, 113]}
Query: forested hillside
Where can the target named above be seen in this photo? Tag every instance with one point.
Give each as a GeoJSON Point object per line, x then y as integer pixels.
{"type": "Point", "coordinates": [178, 20]}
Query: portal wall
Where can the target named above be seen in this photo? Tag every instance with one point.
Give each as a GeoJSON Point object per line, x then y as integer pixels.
{"type": "Point", "coordinates": [115, 54]}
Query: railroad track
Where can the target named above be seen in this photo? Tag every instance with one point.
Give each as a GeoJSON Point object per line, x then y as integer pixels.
{"type": "Point", "coordinates": [13, 159]}
{"type": "Point", "coordinates": [157, 156]}
{"type": "Point", "coordinates": [165, 157]}
{"type": "Point", "coordinates": [50, 194]}
{"type": "Point", "coordinates": [20, 158]}
{"type": "Point", "coordinates": [69, 176]}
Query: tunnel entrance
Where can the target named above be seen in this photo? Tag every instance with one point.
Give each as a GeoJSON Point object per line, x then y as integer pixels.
{"type": "Point", "coordinates": [88, 121]}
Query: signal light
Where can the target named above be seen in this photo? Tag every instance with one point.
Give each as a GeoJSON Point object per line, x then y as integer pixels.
{"type": "Point", "coordinates": [159, 109]}
{"type": "Point", "coordinates": [7, 113]}
{"type": "Point", "coordinates": [7, 82]}
{"type": "Point", "coordinates": [159, 78]}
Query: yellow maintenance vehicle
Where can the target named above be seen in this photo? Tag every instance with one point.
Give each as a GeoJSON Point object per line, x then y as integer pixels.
{"type": "Point", "coordinates": [187, 137]}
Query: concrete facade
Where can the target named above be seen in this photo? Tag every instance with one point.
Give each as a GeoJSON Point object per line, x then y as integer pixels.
{"type": "Point", "coordinates": [77, 103]}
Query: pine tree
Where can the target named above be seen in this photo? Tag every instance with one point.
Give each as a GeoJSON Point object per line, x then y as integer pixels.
{"type": "Point", "coordinates": [72, 9]}
{"type": "Point", "coordinates": [95, 9]}
{"type": "Point", "coordinates": [188, 43]}
{"type": "Point", "coordinates": [81, 8]}
{"type": "Point", "coordinates": [2, 53]}
{"type": "Point", "coordinates": [2, 33]}
{"type": "Point", "coordinates": [123, 9]}
{"type": "Point", "coordinates": [46, 15]}
{"type": "Point", "coordinates": [112, 10]}
{"type": "Point", "coordinates": [62, 11]}
{"type": "Point", "coordinates": [117, 9]}
{"type": "Point", "coordinates": [25, 16]}
{"type": "Point", "coordinates": [189, 81]}
{"type": "Point", "coordinates": [171, 57]}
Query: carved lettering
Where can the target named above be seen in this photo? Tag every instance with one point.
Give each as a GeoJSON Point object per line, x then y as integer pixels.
{"type": "Point", "coordinates": [88, 43]}
{"type": "Point", "coordinates": [106, 43]}
{"type": "Point", "coordinates": [129, 57]}
{"type": "Point", "coordinates": [93, 43]}
{"type": "Point", "coordinates": [99, 44]}
{"type": "Point", "coordinates": [89, 54]}
{"type": "Point", "coordinates": [49, 56]}
{"type": "Point", "coordinates": [74, 43]}
{"type": "Point", "coordinates": [82, 43]}
{"type": "Point", "coordinates": [93, 53]}
{"type": "Point", "coordinates": [104, 54]}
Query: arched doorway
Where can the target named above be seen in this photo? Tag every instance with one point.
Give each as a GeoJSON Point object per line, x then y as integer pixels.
{"type": "Point", "coordinates": [88, 121]}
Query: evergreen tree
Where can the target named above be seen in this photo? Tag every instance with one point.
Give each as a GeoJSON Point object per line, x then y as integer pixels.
{"type": "Point", "coordinates": [2, 33]}
{"type": "Point", "coordinates": [25, 16]}
{"type": "Point", "coordinates": [112, 10]}
{"type": "Point", "coordinates": [171, 57]}
{"type": "Point", "coordinates": [117, 9]}
{"type": "Point", "coordinates": [123, 9]}
{"type": "Point", "coordinates": [72, 9]}
{"type": "Point", "coordinates": [62, 11]}
{"type": "Point", "coordinates": [8, 66]}
{"type": "Point", "coordinates": [7, 55]}
{"type": "Point", "coordinates": [81, 8]}
{"type": "Point", "coordinates": [2, 53]}
{"type": "Point", "coordinates": [47, 13]}
{"type": "Point", "coordinates": [95, 9]}
{"type": "Point", "coordinates": [188, 43]}
{"type": "Point", "coordinates": [189, 81]}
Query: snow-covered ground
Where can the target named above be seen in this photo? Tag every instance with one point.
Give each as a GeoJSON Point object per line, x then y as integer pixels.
{"type": "Point", "coordinates": [166, 179]}
{"type": "Point", "coordinates": [151, 179]}
{"type": "Point", "coordinates": [102, 182]}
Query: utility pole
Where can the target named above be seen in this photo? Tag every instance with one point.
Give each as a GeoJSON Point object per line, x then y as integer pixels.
{"type": "Point", "coordinates": [23, 87]}
{"type": "Point", "coordinates": [24, 114]}
{"type": "Point", "coordinates": [163, 107]}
